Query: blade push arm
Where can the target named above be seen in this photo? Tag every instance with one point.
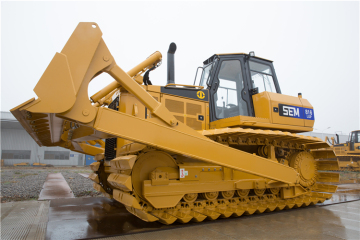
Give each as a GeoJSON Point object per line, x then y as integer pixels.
{"type": "Point", "coordinates": [151, 61]}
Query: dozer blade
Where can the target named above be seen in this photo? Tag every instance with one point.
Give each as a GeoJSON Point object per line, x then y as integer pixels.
{"type": "Point", "coordinates": [46, 129]}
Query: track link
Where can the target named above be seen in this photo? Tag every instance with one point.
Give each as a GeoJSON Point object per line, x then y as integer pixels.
{"type": "Point", "coordinates": [235, 207]}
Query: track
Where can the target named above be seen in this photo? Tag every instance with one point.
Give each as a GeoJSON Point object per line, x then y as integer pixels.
{"type": "Point", "coordinates": [294, 149]}
{"type": "Point", "coordinates": [236, 207]}
{"type": "Point", "coordinates": [84, 218]}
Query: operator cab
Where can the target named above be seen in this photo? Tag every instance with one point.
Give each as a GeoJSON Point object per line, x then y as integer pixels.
{"type": "Point", "coordinates": [232, 79]}
{"type": "Point", "coordinates": [354, 140]}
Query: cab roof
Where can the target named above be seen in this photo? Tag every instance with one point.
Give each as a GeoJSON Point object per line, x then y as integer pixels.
{"type": "Point", "coordinates": [210, 59]}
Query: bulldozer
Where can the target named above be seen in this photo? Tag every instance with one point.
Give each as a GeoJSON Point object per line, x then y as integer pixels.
{"type": "Point", "coordinates": [348, 154]}
{"type": "Point", "coordinates": [225, 146]}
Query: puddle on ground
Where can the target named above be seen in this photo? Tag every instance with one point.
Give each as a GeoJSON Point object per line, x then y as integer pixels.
{"type": "Point", "coordinates": [102, 217]}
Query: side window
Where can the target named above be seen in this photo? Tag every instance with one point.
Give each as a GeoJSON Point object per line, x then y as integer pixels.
{"type": "Point", "coordinates": [205, 75]}
{"type": "Point", "coordinates": [261, 76]}
{"type": "Point", "coordinates": [353, 137]}
{"type": "Point", "coordinates": [228, 100]}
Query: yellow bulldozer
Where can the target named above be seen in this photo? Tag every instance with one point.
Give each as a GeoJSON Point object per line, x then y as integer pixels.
{"type": "Point", "coordinates": [348, 154]}
{"type": "Point", "coordinates": [225, 146]}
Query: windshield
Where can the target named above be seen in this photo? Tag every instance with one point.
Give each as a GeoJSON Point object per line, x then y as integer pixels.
{"type": "Point", "coordinates": [205, 75]}
{"type": "Point", "coordinates": [261, 76]}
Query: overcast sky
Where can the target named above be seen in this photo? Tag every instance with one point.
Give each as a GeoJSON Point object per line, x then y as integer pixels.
{"type": "Point", "coordinates": [314, 45]}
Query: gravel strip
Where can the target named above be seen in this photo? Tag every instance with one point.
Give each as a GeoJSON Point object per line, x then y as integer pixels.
{"type": "Point", "coordinates": [80, 185]}
{"type": "Point", "coordinates": [21, 184]}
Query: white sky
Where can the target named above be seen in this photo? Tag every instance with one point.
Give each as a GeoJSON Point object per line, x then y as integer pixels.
{"type": "Point", "coordinates": [314, 45]}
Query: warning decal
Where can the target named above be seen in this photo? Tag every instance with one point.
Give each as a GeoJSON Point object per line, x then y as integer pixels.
{"type": "Point", "coordinates": [183, 173]}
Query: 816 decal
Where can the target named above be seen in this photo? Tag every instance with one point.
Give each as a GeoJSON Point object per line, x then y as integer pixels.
{"type": "Point", "coordinates": [309, 113]}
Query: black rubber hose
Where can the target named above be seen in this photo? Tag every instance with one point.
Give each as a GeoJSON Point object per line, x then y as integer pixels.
{"type": "Point", "coordinates": [146, 78]}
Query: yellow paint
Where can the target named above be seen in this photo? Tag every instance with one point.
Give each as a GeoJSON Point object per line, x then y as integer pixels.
{"type": "Point", "coordinates": [200, 95]}
{"type": "Point", "coordinates": [157, 134]}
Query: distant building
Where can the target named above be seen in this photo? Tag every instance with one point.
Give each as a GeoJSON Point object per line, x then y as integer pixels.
{"type": "Point", "coordinates": [17, 146]}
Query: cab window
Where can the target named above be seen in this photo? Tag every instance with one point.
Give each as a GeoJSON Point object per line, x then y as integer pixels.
{"type": "Point", "coordinates": [355, 137]}
{"type": "Point", "coordinates": [262, 77]}
{"type": "Point", "coordinates": [228, 100]}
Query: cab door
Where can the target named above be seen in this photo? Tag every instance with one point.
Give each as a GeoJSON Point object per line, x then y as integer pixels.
{"type": "Point", "coordinates": [353, 140]}
{"type": "Point", "coordinates": [229, 90]}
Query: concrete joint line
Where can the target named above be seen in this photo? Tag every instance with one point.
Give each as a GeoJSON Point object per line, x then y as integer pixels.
{"type": "Point", "coordinates": [32, 233]}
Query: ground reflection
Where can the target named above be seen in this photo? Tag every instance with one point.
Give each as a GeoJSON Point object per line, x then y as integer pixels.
{"type": "Point", "coordinates": [101, 217]}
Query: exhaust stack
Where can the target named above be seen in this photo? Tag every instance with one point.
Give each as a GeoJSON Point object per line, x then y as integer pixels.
{"type": "Point", "coordinates": [171, 63]}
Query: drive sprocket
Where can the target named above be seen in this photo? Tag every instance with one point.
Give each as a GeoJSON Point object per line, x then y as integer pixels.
{"type": "Point", "coordinates": [304, 163]}
{"type": "Point", "coordinates": [103, 178]}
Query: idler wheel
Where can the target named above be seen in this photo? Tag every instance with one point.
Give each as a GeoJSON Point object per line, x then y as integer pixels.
{"type": "Point", "coordinates": [259, 192]}
{"type": "Point", "coordinates": [190, 197]}
{"type": "Point", "coordinates": [243, 192]}
{"type": "Point", "coordinates": [145, 164]}
{"type": "Point", "coordinates": [305, 164]}
{"type": "Point", "coordinates": [210, 195]}
{"type": "Point", "coordinates": [228, 194]}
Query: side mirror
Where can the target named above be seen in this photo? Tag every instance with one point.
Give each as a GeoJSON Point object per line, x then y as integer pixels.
{"type": "Point", "coordinates": [198, 76]}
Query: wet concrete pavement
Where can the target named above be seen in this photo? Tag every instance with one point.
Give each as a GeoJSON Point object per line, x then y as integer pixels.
{"type": "Point", "coordinates": [24, 220]}
{"type": "Point", "coordinates": [93, 218]}
{"type": "Point", "coordinates": [339, 221]}
{"type": "Point", "coordinates": [101, 217]}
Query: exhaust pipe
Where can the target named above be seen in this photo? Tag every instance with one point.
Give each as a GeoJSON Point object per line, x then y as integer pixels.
{"type": "Point", "coordinates": [171, 63]}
